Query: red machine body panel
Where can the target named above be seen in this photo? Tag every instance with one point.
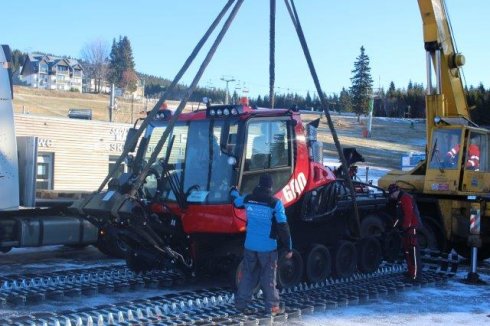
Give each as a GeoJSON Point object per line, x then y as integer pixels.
{"type": "Point", "coordinates": [226, 219]}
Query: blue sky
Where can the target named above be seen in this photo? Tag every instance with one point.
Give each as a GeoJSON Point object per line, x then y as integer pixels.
{"type": "Point", "coordinates": [163, 33]}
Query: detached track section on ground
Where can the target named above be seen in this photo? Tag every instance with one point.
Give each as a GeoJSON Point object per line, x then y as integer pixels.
{"type": "Point", "coordinates": [215, 306]}
{"type": "Point", "coordinates": [36, 288]}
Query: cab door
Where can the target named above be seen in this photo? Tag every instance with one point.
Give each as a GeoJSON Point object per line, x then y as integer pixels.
{"type": "Point", "coordinates": [476, 176]}
{"type": "Point", "coordinates": [267, 149]}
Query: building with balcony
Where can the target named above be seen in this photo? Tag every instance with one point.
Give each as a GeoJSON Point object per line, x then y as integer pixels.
{"type": "Point", "coordinates": [50, 72]}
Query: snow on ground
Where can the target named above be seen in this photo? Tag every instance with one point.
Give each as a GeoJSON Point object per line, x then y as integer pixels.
{"type": "Point", "coordinates": [454, 303]}
{"type": "Point", "coordinates": [365, 173]}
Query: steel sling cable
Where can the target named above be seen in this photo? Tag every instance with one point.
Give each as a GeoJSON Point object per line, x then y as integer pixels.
{"type": "Point", "coordinates": [272, 45]}
{"type": "Point", "coordinates": [186, 97]}
{"type": "Point", "coordinates": [170, 88]}
{"type": "Point", "coordinates": [295, 19]}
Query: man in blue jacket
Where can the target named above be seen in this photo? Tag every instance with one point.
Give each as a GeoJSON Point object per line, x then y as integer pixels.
{"type": "Point", "coordinates": [266, 222]}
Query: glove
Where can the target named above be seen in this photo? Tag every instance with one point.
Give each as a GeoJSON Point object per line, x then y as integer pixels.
{"type": "Point", "coordinates": [233, 188]}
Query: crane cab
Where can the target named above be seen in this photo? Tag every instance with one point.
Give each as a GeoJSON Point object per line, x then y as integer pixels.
{"type": "Point", "coordinates": [458, 161]}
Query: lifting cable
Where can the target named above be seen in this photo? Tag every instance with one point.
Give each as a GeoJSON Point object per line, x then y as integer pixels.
{"type": "Point", "coordinates": [141, 176]}
{"type": "Point", "coordinates": [164, 97]}
{"type": "Point", "coordinates": [272, 44]}
{"type": "Point", "coordinates": [355, 224]}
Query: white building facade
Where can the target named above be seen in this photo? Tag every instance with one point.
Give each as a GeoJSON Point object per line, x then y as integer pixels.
{"type": "Point", "coordinates": [49, 72]}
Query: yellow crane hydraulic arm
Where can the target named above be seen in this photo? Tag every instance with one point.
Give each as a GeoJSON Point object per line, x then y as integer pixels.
{"type": "Point", "coordinates": [447, 99]}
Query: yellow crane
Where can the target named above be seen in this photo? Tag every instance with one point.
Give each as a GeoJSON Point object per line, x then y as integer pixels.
{"type": "Point", "coordinates": [452, 185]}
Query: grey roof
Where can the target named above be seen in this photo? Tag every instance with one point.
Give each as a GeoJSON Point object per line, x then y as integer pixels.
{"type": "Point", "coordinates": [34, 58]}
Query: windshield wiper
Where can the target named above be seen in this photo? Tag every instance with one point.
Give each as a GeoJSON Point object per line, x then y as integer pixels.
{"type": "Point", "coordinates": [435, 152]}
{"type": "Point", "coordinates": [173, 179]}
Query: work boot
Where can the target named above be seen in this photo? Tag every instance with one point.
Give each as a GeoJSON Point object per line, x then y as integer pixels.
{"type": "Point", "coordinates": [412, 278]}
{"type": "Point", "coordinates": [246, 310]}
{"type": "Point", "coordinates": [277, 310]}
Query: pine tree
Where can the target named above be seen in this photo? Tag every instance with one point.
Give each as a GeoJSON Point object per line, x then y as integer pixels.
{"type": "Point", "coordinates": [121, 65]}
{"type": "Point", "coordinates": [17, 60]}
{"type": "Point", "coordinates": [308, 100]}
{"type": "Point", "coordinates": [114, 62]}
{"type": "Point", "coordinates": [345, 103]}
{"type": "Point", "coordinates": [391, 90]}
{"type": "Point", "coordinates": [362, 84]}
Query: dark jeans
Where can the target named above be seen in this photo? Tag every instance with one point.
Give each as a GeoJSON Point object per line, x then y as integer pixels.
{"type": "Point", "coordinates": [258, 267]}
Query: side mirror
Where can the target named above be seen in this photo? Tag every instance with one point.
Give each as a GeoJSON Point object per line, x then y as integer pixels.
{"type": "Point", "coordinates": [128, 146]}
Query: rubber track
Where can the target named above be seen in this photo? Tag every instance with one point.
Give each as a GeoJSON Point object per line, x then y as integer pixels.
{"type": "Point", "coordinates": [216, 306]}
{"type": "Point", "coordinates": [36, 288]}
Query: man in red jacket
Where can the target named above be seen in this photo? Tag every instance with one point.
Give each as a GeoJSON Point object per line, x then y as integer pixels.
{"type": "Point", "coordinates": [408, 219]}
{"type": "Point", "coordinates": [473, 162]}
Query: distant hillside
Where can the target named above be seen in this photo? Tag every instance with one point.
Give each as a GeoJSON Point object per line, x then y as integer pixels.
{"type": "Point", "coordinates": [378, 150]}
{"type": "Point", "coordinates": [57, 103]}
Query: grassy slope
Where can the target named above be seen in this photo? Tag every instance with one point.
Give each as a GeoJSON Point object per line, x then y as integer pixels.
{"type": "Point", "coordinates": [57, 103]}
{"type": "Point", "coordinates": [390, 138]}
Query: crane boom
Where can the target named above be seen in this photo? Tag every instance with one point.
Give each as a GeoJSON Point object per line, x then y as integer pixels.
{"type": "Point", "coordinates": [448, 98]}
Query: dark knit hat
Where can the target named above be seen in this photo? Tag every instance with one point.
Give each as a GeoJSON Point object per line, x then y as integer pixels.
{"type": "Point", "coordinates": [393, 188]}
{"type": "Point", "coordinates": [265, 181]}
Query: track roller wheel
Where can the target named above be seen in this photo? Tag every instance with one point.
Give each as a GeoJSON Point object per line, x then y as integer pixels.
{"type": "Point", "coordinates": [427, 238]}
{"type": "Point", "coordinates": [369, 254]}
{"type": "Point", "coordinates": [372, 225]}
{"type": "Point", "coordinates": [392, 245]}
{"type": "Point", "coordinates": [5, 249]}
{"type": "Point", "coordinates": [239, 275]}
{"type": "Point", "coordinates": [137, 262]}
{"type": "Point", "coordinates": [289, 271]}
{"type": "Point", "coordinates": [318, 263]}
{"type": "Point", "coordinates": [110, 244]}
{"type": "Point", "coordinates": [344, 259]}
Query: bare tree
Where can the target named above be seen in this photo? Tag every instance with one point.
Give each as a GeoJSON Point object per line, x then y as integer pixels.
{"type": "Point", "coordinates": [129, 80]}
{"type": "Point", "coordinates": [95, 53]}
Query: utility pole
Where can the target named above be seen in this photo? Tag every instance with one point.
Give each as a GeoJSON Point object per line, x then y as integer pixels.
{"type": "Point", "coordinates": [132, 109]}
{"type": "Point", "coordinates": [112, 103]}
{"type": "Point", "coordinates": [227, 80]}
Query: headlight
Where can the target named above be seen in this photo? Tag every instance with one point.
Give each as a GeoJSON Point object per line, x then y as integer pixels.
{"type": "Point", "coordinates": [212, 113]}
{"type": "Point", "coordinates": [226, 112]}
{"type": "Point", "coordinates": [219, 112]}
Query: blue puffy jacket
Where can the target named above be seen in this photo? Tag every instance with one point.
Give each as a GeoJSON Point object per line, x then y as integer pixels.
{"type": "Point", "coordinates": [266, 220]}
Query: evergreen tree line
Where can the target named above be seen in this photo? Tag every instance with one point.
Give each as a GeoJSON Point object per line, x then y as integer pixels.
{"type": "Point", "coordinates": [118, 67]}
{"type": "Point", "coordinates": [156, 86]}
{"type": "Point", "coordinates": [396, 102]}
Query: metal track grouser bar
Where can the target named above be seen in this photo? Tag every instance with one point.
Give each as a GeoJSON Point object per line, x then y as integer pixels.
{"type": "Point", "coordinates": [216, 306]}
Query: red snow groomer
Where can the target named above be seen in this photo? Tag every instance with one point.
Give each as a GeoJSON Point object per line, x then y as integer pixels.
{"type": "Point", "coordinates": [182, 214]}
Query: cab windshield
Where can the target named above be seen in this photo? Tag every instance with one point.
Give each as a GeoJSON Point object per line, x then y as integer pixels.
{"type": "Point", "coordinates": [445, 149]}
{"type": "Point", "coordinates": [198, 167]}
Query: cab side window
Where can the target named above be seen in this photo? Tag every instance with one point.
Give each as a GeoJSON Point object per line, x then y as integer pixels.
{"type": "Point", "coordinates": [477, 153]}
{"type": "Point", "coordinates": [268, 150]}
